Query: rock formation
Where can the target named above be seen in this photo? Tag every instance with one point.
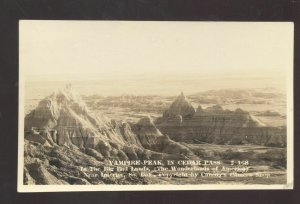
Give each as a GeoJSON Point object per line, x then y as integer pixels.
{"type": "Point", "coordinates": [61, 134]}
{"type": "Point", "coordinates": [62, 122]}
{"type": "Point", "coordinates": [215, 125]}
{"type": "Point", "coordinates": [180, 107]}
{"type": "Point", "coordinates": [64, 119]}
{"type": "Point", "coordinates": [151, 138]}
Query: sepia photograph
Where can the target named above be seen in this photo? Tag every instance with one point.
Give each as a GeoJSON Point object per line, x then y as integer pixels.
{"type": "Point", "coordinates": [145, 105]}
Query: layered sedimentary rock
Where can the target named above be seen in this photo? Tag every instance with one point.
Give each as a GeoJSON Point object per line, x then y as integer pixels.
{"type": "Point", "coordinates": [63, 122]}
{"type": "Point", "coordinates": [215, 125]}
{"type": "Point", "coordinates": [151, 138]}
{"type": "Point", "coordinates": [64, 119]}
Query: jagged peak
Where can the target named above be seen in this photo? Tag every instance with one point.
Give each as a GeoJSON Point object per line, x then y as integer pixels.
{"type": "Point", "coordinates": [181, 100]}
{"type": "Point", "coordinates": [65, 99]}
{"type": "Point", "coordinates": [181, 97]}
{"type": "Point", "coordinates": [66, 95]}
{"type": "Point", "coordinates": [180, 106]}
{"type": "Point", "coordinates": [199, 108]}
{"type": "Point", "coordinates": [70, 92]}
{"type": "Point", "coordinates": [146, 121]}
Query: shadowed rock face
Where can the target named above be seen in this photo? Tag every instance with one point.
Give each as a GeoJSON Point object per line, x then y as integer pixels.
{"type": "Point", "coordinates": [215, 125]}
{"type": "Point", "coordinates": [151, 138]}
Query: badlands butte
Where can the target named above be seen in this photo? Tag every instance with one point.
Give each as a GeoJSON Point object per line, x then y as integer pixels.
{"type": "Point", "coordinates": [63, 135]}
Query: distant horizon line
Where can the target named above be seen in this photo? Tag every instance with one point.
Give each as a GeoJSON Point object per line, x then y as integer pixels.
{"type": "Point", "coordinates": [39, 78]}
{"type": "Point", "coordinates": [186, 93]}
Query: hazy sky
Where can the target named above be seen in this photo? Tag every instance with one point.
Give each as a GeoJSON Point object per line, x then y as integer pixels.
{"type": "Point", "coordinates": [154, 51]}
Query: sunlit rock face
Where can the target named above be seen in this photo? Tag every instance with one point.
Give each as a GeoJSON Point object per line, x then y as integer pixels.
{"type": "Point", "coordinates": [66, 120]}
{"type": "Point", "coordinates": [216, 125]}
{"type": "Point", "coordinates": [63, 119]}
